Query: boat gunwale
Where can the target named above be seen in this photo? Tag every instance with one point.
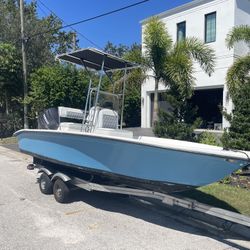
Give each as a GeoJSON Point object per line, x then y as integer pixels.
{"type": "Point", "coordinates": [245, 155]}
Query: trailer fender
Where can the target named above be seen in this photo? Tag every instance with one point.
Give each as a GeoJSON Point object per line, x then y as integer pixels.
{"type": "Point", "coordinates": [45, 170]}
{"type": "Point", "coordinates": [61, 176]}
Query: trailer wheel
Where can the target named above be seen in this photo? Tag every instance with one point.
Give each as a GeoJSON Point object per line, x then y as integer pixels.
{"type": "Point", "coordinates": [61, 191]}
{"type": "Point", "coordinates": [45, 184]}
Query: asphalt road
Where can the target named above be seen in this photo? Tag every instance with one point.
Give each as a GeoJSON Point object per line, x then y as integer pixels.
{"type": "Point", "coordinates": [31, 220]}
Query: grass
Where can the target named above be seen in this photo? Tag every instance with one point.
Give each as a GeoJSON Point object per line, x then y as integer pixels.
{"type": "Point", "coordinates": [224, 196]}
{"type": "Point", "coordinates": [8, 140]}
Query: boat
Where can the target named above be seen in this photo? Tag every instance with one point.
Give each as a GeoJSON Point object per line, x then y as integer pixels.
{"type": "Point", "coordinates": [92, 141]}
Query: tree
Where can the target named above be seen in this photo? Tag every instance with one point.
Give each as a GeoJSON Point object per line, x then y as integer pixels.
{"type": "Point", "coordinates": [116, 50]}
{"type": "Point", "coordinates": [132, 105]}
{"type": "Point", "coordinates": [10, 89]}
{"type": "Point", "coordinates": [57, 85]}
{"type": "Point", "coordinates": [238, 81]}
{"type": "Point", "coordinates": [173, 63]}
{"type": "Point", "coordinates": [132, 108]}
{"type": "Point", "coordinates": [10, 68]}
{"type": "Point", "coordinates": [43, 38]}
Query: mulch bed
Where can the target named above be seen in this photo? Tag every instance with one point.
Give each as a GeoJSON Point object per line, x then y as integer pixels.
{"type": "Point", "coordinates": [239, 180]}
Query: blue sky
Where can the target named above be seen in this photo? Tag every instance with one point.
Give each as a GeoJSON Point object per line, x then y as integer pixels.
{"type": "Point", "coordinates": [119, 28]}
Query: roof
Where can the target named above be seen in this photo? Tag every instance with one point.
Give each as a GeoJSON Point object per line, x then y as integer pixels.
{"type": "Point", "coordinates": [92, 58]}
{"type": "Point", "coordinates": [179, 9]}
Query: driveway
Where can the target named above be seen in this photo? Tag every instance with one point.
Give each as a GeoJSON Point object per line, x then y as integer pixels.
{"type": "Point", "coordinates": [31, 220]}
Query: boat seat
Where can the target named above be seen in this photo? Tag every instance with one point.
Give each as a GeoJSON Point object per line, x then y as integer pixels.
{"type": "Point", "coordinates": [107, 118]}
{"type": "Point", "coordinates": [104, 119]}
{"type": "Point", "coordinates": [71, 113]}
{"type": "Point", "coordinates": [74, 114]}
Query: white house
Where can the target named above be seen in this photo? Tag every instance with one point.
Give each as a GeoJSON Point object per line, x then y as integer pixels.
{"type": "Point", "coordinates": [210, 21]}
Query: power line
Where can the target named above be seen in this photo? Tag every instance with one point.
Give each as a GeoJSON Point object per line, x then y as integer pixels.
{"type": "Point", "coordinates": [42, 10]}
{"type": "Point", "coordinates": [91, 18]}
{"type": "Point", "coordinates": [45, 13]}
{"type": "Point", "coordinates": [51, 11]}
{"type": "Point", "coordinates": [67, 24]}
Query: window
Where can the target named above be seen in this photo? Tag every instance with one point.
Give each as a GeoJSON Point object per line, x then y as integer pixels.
{"type": "Point", "coordinates": [210, 27]}
{"type": "Point", "coordinates": [181, 31]}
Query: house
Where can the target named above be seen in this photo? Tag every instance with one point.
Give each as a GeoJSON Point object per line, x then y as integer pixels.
{"type": "Point", "coordinates": [210, 21]}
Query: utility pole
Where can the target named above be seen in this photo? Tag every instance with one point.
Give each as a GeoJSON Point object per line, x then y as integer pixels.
{"type": "Point", "coordinates": [25, 87]}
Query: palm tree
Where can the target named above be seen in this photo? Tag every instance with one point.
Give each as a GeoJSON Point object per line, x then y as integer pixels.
{"type": "Point", "coordinates": [173, 63]}
{"type": "Point", "coordinates": [238, 74]}
{"type": "Point", "coordinates": [238, 82]}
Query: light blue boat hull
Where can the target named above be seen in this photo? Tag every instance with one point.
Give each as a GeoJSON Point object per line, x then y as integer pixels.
{"type": "Point", "coordinates": [127, 158]}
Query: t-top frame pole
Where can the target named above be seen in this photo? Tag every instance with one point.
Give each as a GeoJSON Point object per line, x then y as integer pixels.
{"type": "Point", "coordinates": [88, 94]}
{"type": "Point", "coordinates": [98, 89]}
{"type": "Point", "coordinates": [123, 95]}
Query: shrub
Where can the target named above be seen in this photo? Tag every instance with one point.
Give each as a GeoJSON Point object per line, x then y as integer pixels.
{"type": "Point", "coordinates": [208, 138]}
{"type": "Point", "coordinates": [57, 85]}
{"type": "Point", "coordinates": [169, 127]}
{"type": "Point", "coordinates": [238, 135]}
{"type": "Point", "coordinates": [10, 124]}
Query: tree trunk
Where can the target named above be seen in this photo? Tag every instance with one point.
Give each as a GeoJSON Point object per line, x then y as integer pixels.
{"type": "Point", "coordinates": [155, 104]}
{"type": "Point", "coordinates": [6, 103]}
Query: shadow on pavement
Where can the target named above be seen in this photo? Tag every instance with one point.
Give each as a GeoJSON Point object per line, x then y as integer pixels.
{"type": "Point", "coordinates": [123, 204]}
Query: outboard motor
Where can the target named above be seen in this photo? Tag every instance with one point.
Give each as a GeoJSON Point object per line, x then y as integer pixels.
{"type": "Point", "coordinates": [49, 119]}
{"type": "Point", "coordinates": [56, 118]}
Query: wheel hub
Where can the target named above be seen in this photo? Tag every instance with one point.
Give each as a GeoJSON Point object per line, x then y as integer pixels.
{"type": "Point", "coordinates": [43, 184]}
{"type": "Point", "coordinates": [59, 192]}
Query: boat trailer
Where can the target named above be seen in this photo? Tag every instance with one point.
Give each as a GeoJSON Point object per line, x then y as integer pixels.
{"type": "Point", "coordinates": [59, 183]}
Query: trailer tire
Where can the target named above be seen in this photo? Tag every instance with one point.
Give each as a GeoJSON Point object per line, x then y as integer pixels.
{"type": "Point", "coordinates": [45, 184]}
{"type": "Point", "coordinates": [61, 191]}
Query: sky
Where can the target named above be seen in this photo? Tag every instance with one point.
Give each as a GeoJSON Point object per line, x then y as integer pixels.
{"type": "Point", "coordinates": [119, 28]}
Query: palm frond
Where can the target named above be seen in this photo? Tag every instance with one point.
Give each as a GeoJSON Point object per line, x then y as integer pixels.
{"type": "Point", "coordinates": [199, 52]}
{"type": "Point", "coordinates": [237, 34]}
{"type": "Point", "coordinates": [238, 74]}
{"type": "Point", "coordinates": [179, 72]}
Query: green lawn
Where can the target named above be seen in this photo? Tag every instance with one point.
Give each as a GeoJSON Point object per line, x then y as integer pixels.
{"type": "Point", "coordinates": [223, 196]}
{"type": "Point", "coordinates": [8, 140]}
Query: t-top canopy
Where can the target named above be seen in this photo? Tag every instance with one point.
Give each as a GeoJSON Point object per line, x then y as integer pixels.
{"type": "Point", "coordinates": [92, 58]}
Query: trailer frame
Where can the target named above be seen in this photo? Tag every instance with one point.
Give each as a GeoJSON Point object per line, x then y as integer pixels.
{"type": "Point", "coordinates": [68, 182]}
